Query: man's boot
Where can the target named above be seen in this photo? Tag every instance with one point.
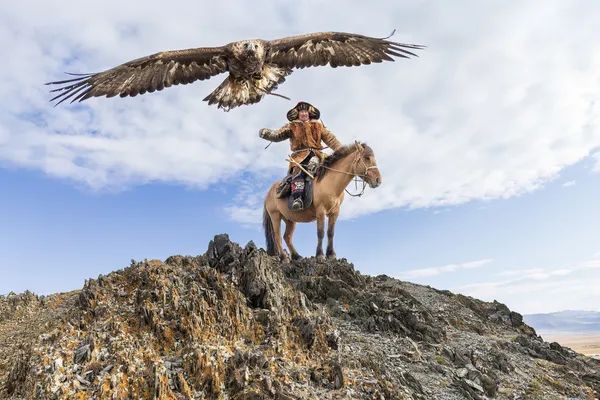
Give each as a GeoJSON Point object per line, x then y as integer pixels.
{"type": "Point", "coordinates": [297, 192]}
{"type": "Point", "coordinates": [313, 165]}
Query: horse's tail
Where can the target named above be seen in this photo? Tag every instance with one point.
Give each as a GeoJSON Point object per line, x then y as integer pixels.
{"type": "Point", "coordinates": [269, 234]}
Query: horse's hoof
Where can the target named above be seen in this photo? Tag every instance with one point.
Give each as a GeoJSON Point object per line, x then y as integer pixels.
{"type": "Point", "coordinates": [331, 256]}
{"type": "Point", "coordinates": [296, 257]}
{"type": "Point", "coordinates": [321, 257]}
{"type": "Point", "coordinates": [284, 259]}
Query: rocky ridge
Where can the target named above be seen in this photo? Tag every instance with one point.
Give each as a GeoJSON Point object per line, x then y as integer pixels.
{"type": "Point", "coordinates": [234, 323]}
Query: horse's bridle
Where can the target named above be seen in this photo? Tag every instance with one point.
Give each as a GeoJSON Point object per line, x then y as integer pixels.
{"type": "Point", "coordinates": [363, 175]}
{"type": "Point", "coordinates": [366, 173]}
{"type": "Point", "coordinates": [358, 158]}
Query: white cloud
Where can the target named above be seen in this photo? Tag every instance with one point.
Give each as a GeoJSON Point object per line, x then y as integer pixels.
{"type": "Point", "coordinates": [245, 215]}
{"type": "Point", "coordinates": [520, 272]}
{"type": "Point", "coordinates": [503, 98]}
{"type": "Point", "coordinates": [596, 167]}
{"type": "Point", "coordinates": [569, 183]}
{"type": "Point", "coordinates": [591, 264]}
{"type": "Point", "coordinates": [542, 290]}
{"type": "Point", "coordinates": [427, 272]}
{"type": "Point", "coordinates": [247, 205]}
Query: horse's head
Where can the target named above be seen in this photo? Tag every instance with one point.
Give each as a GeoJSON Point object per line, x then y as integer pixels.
{"type": "Point", "coordinates": [365, 165]}
{"type": "Point", "coordinates": [355, 159]}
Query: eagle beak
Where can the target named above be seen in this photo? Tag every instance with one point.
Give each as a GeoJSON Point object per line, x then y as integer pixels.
{"type": "Point", "coordinates": [248, 46]}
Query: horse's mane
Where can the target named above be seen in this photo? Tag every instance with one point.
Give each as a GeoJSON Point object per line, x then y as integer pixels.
{"type": "Point", "coordinates": [337, 155]}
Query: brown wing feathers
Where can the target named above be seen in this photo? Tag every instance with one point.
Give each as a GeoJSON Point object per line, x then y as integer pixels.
{"type": "Point", "coordinates": [336, 49]}
{"type": "Point", "coordinates": [147, 74]}
{"type": "Point", "coordinates": [164, 69]}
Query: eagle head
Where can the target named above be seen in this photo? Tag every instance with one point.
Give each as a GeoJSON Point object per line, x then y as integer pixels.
{"type": "Point", "coordinates": [250, 48]}
{"type": "Point", "coordinates": [246, 47]}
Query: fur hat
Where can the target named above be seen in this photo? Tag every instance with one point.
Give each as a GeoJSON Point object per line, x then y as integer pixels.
{"type": "Point", "coordinates": [313, 112]}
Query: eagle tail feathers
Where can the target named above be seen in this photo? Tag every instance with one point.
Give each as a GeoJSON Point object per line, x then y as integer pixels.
{"type": "Point", "coordinates": [234, 92]}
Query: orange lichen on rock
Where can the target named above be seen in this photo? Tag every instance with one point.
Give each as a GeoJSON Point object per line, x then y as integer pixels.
{"type": "Point", "coordinates": [235, 323]}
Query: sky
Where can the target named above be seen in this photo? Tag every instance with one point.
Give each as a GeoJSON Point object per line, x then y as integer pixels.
{"type": "Point", "coordinates": [488, 144]}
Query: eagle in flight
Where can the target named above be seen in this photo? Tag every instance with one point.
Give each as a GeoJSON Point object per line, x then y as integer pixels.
{"type": "Point", "coordinates": [256, 67]}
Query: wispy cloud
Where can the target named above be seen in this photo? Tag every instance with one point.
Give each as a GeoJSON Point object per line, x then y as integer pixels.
{"type": "Point", "coordinates": [245, 215]}
{"type": "Point", "coordinates": [247, 205]}
{"type": "Point", "coordinates": [537, 274]}
{"type": "Point", "coordinates": [539, 284]}
{"type": "Point", "coordinates": [428, 272]}
{"type": "Point", "coordinates": [478, 116]}
{"type": "Point", "coordinates": [596, 167]}
{"type": "Point", "coordinates": [569, 183]}
{"type": "Point", "coordinates": [520, 272]}
{"type": "Point", "coordinates": [591, 264]}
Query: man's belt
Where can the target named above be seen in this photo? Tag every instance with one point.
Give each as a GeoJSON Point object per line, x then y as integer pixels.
{"type": "Point", "coordinates": [308, 148]}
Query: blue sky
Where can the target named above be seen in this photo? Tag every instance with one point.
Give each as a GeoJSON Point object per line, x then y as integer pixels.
{"type": "Point", "coordinates": [488, 144]}
{"type": "Point", "coordinates": [56, 234]}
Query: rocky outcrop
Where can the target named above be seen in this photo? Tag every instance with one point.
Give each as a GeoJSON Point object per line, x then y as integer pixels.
{"type": "Point", "coordinates": [235, 323]}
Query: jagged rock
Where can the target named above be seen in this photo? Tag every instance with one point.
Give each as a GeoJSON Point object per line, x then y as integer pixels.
{"type": "Point", "coordinates": [516, 319]}
{"type": "Point", "coordinates": [82, 354]}
{"type": "Point", "coordinates": [337, 376]}
{"type": "Point", "coordinates": [333, 339]}
{"type": "Point", "coordinates": [18, 371]}
{"type": "Point", "coordinates": [489, 385]}
{"type": "Point", "coordinates": [474, 385]}
{"type": "Point", "coordinates": [306, 328]}
{"type": "Point", "coordinates": [235, 323]}
{"type": "Point", "coordinates": [468, 389]}
{"type": "Point", "coordinates": [539, 349]}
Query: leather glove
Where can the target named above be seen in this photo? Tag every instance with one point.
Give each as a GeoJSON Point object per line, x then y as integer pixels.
{"type": "Point", "coordinates": [264, 132]}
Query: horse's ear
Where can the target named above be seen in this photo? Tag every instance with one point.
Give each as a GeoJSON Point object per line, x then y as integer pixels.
{"type": "Point", "coordinates": [358, 145]}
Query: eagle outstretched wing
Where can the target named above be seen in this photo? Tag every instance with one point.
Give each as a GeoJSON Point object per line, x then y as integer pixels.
{"type": "Point", "coordinates": [146, 74]}
{"type": "Point", "coordinates": [338, 49]}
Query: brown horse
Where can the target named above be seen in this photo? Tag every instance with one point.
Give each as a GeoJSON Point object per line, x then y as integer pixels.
{"type": "Point", "coordinates": [332, 178]}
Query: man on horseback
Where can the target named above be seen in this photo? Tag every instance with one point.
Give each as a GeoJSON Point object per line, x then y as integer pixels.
{"type": "Point", "coordinates": [305, 133]}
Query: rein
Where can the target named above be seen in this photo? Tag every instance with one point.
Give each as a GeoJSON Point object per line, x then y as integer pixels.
{"type": "Point", "coordinates": [363, 175]}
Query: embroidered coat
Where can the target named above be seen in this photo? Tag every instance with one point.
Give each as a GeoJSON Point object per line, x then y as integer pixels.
{"type": "Point", "coordinates": [303, 137]}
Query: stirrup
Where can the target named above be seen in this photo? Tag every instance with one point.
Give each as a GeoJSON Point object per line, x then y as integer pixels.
{"type": "Point", "coordinates": [298, 204]}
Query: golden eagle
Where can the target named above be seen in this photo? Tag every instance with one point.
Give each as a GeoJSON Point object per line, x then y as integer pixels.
{"type": "Point", "coordinates": [256, 67]}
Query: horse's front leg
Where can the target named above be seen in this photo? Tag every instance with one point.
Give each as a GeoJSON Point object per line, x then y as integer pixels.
{"type": "Point", "coordinates": [330, 232]}
{"type": "Point", "coordinates": [320, 235]}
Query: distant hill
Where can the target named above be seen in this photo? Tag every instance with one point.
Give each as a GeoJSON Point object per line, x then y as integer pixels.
{"type": "Point", "coordinates": [569, 321]}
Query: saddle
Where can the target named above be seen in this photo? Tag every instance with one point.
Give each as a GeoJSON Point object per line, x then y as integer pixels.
{"type": "Point", "coordinates": [284, 189]}
{"type": "Point", "coordinates": [307, 194]}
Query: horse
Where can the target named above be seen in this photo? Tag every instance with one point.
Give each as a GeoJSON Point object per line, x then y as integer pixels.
{"type": "Point", "coordinates": [332, 177]}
